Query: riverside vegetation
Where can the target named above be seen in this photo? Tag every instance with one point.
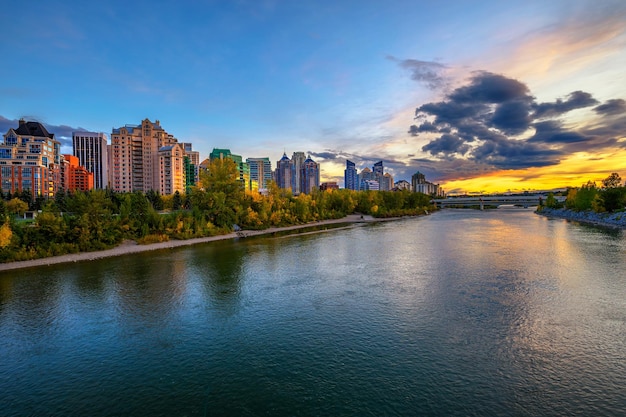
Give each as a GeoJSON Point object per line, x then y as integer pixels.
{"type": "Point", "coordinates": [589, 203]}
{"type": "Point", "coordinates": [102, 219]}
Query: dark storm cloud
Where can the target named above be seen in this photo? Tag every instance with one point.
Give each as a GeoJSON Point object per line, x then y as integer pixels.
{"type": "Point", "coordinates": [512, 118]}
{"type": "Point", "coordinates": [447, 169]}
{"type": "Point", "coordinates": [414, 130]}
{"type": "Point", "coordinates": [324, 155]}
{"type": "Point", "coordinates": [575, 100]}
{"type": "Point", "coordinates": [486, 87]}
{"type": "Point", "coordinates": [427, 72]}
{"type": "Point", "coordinates": [612, 107]}
{"type": "Point", "coordinates": [447, 144]}
{"type": "Point", "coordinates": [551, 131]}
{"type": "Point", "coordinates": [614, 128]}
{"type": "Point", "coordinates": [450, 112]}
{"type": "Point", "coordinates": [514, 154]}
{"type": "Point", "coordinates": [490, 122]}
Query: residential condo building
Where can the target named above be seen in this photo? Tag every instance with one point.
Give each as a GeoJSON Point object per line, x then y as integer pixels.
{"type": "Point", "coordinates": [420, 185]}
{"type": "Point", "coordinates": [172, 170]}
{"type": "Point", "coordinates": [192, 167]}
{"type": "Point", "coordinates": [310, 176]}
{"type": "Point", "coordinates": [284, 172]}
{"type": "Point", "coordinates": [134, 156]}
{"type": "Point", "coordinates": [297, 162]}
{"type": "Point", "coordinates": [30, 160]}
{"type": "Point", "coordinates": [260, 173]}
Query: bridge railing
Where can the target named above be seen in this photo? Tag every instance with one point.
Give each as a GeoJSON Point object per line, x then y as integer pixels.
{"type": "Point", "coordinates": [518, 200]}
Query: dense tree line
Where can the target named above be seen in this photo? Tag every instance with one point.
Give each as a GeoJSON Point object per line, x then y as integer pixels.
{"type": "Point", "coordinates": [101, 219]}
{"type": "Point", "coordinates": [609, 197]}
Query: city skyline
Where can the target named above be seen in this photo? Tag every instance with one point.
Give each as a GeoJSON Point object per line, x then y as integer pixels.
{"type": "Point", "coordinates": [509, 96]}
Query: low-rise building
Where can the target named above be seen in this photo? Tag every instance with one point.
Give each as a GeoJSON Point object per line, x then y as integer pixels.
{"type": "Point", "coordinates": [331, 185]}
{"type": "Point", "coordinates": [74, 176]}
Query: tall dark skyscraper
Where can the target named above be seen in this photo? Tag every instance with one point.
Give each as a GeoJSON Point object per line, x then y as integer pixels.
{"type": "Point", "coordinates": [297, 163]}
{"type": "Point", "coordinates": [350, 176]}
{"type": "Point", "coordinates": [283, 173]}
{"type": "Point", "coordinates": [91, 150]}
{"type": "Point", "coordinates": [378, 169]}
{"type": "Point", "coordinates": [310, 175]}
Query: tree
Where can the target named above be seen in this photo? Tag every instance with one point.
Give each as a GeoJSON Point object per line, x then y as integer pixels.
{"type": "Point", "coordinates": [16, 206]}
{"type": "Point", "coordinates": [5, 234]}
{"type": "Point", "coordinates": [613, 198]}
{"type": "Point", "coordinates": [154, 197]}
{"type": "Point", "coordinates": [221, 175]}
{"type": "Point", "coordinates": [59, 200]}
{"type": "Point", "coordinates": [612, 181]}
{"type": "Point", "coordinates": [177, 201]}
{"type": "Point", "coordinates": [26, 196]}
{"type": "Point", "coordinates": [581, 199]}
{"type": "Point", "coordinates": [551, 201]}
{"type": "Point", "coordinates": [224, 198]}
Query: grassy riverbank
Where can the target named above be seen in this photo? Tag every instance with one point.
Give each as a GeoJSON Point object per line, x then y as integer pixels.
{"type": "Point", "coordinates": [129, 247]}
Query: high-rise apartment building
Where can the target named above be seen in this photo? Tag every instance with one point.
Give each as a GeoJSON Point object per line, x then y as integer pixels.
{"type": "Point", "coordinates": [420, 185]}
{"type": "Point", "coordinates": [416, 179]}
{"type": "Point", "coordinates": [193, 164]}
{"type": "Point", "coordinates": [192, 174]}
{"type": "Point", "coordinates": [378, 169]}
{"type": "Point", "coordinates": [297, 161]}
{"type": "Point", "coordinates": [366, 174]}
{"type": "Point", "coordinates": [172, 169]}
{"type": "Point", "coordinates": [310, 176]}
{"type": "Point", "coordinates": [91, 150]}
{"type": "Point", "coordinates": [378, 173]}
{"type": "Point", "coordinates": [386, 182]}
{"type": "Point", "coordinates": [260, 173]}
{"type": "Point", "coordinates": [30, 160]}
{"type": "Point", "coordinates": [350, 176]}
{"type": "Point", "coordinates": [134, 156]}
{"type": "Point", "coordinates": [284, 172]}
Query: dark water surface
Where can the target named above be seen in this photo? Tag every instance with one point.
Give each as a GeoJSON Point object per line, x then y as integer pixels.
{"type": "Point", "coordinates": [460, 313]}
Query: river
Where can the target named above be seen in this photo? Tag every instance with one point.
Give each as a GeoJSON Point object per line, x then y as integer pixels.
{"type": "Point", "coordinates": [460, 313]}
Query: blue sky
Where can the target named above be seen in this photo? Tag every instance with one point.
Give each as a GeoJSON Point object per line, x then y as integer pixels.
{"type": "Point", "coordinates": [337, 79]}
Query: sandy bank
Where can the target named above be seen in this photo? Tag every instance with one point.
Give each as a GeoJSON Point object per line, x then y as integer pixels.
{"type": "Point", "coordinates": [129, 247]}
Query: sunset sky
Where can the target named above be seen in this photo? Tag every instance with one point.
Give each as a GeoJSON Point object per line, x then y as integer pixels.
{"type": "Point", "coordinates": [481, 96]}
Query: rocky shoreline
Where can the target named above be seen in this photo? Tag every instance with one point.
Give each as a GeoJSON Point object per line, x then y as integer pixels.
{"type": "Point", "coordinates": [614, 220]}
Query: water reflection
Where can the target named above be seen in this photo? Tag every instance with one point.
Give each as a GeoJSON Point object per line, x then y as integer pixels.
{"type": "Point", "coordinates": [459, 313]}
{"type": "Point", "coordinates": [219, 270]}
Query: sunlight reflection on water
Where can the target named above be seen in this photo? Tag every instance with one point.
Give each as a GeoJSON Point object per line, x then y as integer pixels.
{"type": "Point", "coordinates": [458, 313]}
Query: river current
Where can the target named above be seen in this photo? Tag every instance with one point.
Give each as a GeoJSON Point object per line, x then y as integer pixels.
{"type": "Point", "coordinates": [460, 313]}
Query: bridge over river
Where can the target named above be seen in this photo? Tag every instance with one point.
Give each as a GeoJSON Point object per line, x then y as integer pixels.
{"type": "Point", "coordinates": [526, 200]}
